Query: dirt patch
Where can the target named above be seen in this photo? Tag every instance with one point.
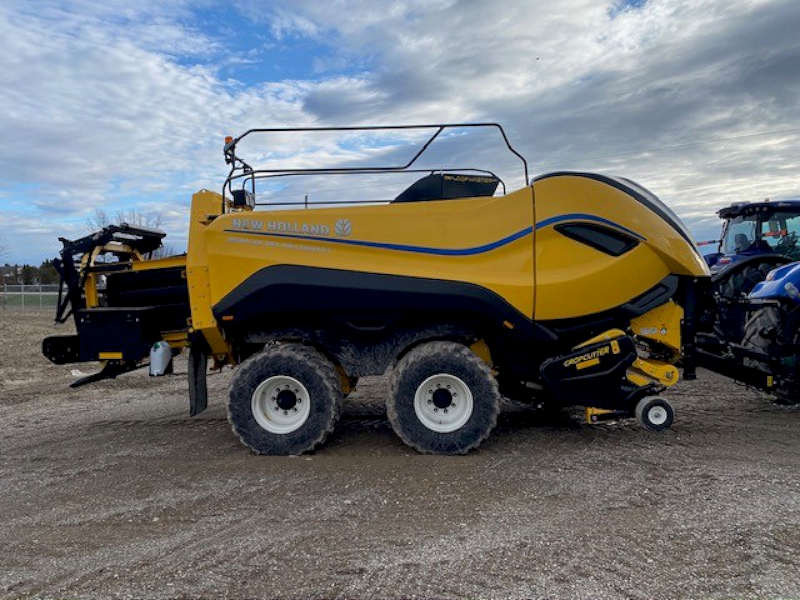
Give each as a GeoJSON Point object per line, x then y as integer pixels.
{"type": "Point", "coordinates": [113, 491]}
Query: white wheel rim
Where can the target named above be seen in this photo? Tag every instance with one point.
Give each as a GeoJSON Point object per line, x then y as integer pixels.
{"type": "Point", "coordinates": [280, 404]}
{"type": "Point", "coordinates": [657, 415]}
{"type": "Point", "coordinates": [443, 403]}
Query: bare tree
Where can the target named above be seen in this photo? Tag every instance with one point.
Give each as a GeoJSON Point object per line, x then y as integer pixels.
{"type": "Point", "coordinates": [163, 251]}
{"type": "Point", "coordinates": [152, 220]}
{"type": "Point", "coordinates": [101, 219]}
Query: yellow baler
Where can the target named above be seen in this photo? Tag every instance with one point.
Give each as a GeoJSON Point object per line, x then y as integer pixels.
{"type": "Point", "coordinates": [576, 289]}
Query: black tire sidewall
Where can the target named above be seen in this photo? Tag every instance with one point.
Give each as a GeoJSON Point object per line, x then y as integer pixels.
{"type": "Point", "coordinates": [305, 365]}
{"type": "Point", "coordinates": [644, 414]}
{"type": "Point", "coordinates": [480, 422]}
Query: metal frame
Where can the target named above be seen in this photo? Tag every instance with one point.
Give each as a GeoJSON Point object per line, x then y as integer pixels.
{"type": "Point", "coordinates": [73, 275]}
{"type": "Point", "coordinates": [240, 170]}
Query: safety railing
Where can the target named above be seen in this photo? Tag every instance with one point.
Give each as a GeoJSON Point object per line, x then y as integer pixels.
{"type": "Point", "coordinates": [245, 175]}
{"type": "Point", "coordinates": [33, 296]}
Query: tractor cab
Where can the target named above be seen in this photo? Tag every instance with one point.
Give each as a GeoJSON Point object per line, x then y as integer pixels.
{"type": "Point", "coordinates": [757, 228]}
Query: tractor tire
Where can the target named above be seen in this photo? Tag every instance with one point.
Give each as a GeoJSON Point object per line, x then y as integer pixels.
{"type": "Point", "coordinates": [741, 282]}
{"type": "Point", "coordinates": [757, 334]}
{"type": "Point", "coordinates": [654, 413]}
{"type": "Point", "coordinates": [790, 395]}
{"type": "Point", "coordinates": [767, 328]}
{"type": "Point", "coordinates": [443, 399]}
{"type": "Point", "coordinates": [285, 400]}
{"type": "Point", "coordinates": [727, 319]}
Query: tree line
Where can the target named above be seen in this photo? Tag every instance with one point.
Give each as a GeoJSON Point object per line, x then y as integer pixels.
{"type": "Point", "coordinates": [46, 273]}
{"type": "Point", "coordinates": [29, 274]}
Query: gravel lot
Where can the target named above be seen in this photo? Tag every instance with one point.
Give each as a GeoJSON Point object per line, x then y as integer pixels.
{"type": "Point", "coordinates": [112, 491]}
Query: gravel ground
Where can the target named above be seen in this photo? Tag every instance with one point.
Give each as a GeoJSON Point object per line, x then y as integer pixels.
{"type": "Point", "coordinates": [112, 491]}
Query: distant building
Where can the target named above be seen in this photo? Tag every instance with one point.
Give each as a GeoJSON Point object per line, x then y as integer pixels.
{"type": "Point", "coordinates": [10, 273]}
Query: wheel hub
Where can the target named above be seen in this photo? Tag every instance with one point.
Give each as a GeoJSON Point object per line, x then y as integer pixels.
{"type": "Point", "coordinates": [443, 403]}
{"type": "Point", "coordinates": [442, 398]}
{"type": "Point", "coordinates": [281, 404]}
{"type": "Point", "coordinates": [657, 415]}
{"type": "Point", "coordinates": [286, 400]}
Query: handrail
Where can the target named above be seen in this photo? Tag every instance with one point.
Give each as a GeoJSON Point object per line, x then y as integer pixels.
{"type": "Point", "coordinates": [242, 170]}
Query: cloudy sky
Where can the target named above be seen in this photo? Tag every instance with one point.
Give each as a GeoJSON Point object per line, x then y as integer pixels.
{"type": "Point", "coordinates": [122, 105]}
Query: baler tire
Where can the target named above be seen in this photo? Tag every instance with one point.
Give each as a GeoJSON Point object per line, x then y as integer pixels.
{"type": "Point", "coordinates": [262, 378]}
{"type": "Point", "coordinates": [453, 368]}
{"type": "Point", "coordinates": [654, 413]}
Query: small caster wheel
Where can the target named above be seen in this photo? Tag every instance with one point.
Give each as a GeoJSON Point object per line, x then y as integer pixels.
{"type": "Point", "coordinates": [654, 413]}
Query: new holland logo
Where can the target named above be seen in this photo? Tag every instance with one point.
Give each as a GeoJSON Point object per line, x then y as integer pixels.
{"type": "Point", "coordinates": [297, 228]}
{"type": "Point", "coordinates": [343, 227]}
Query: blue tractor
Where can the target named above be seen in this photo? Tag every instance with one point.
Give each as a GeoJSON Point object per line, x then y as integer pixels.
{"type": "Point", "coordinates": [767, 355]}
{"type": "Point", "coordinates": [752, 229]}
{"type": "Point", "coordinates": [749, 318]}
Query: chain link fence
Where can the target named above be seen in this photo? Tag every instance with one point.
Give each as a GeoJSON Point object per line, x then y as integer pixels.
{"type": "Point", "coordinates": [31, 296]}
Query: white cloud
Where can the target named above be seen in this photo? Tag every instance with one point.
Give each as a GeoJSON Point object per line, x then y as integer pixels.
{"type": "Point", "coordinates": [115, 103]}
{"type": "Point", "coordinates": [98, 119]}
{"type": "Point", "coordinates": [633, 92]}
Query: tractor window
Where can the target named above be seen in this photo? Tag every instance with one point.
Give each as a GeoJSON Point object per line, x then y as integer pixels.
{"type": "Point", "coordinates": [774, 230]}
{"type": "Point", "coordinates": [782, 231]}
{"type": "Point", "coordinates": [741, 232]}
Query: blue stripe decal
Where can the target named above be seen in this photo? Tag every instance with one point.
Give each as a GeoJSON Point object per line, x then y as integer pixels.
{"type": "Point", "coordinates": [584, 217]}
{"type": "Point", "coordinates": [447, 251]}
{"type": "Point", "coordinates": [402, 247]}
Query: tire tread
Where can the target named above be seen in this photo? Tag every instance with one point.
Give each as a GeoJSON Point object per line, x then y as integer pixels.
{"type": "Point", "coordinates": [429, 351]}
{"type": "Point", "coordinates": [303, 354]}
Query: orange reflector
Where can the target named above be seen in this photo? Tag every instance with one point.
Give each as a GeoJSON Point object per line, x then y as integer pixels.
{"type": "Point", "coordinates": [508, 324]}
{"type": "Point", "coordinates": [227, 318]}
